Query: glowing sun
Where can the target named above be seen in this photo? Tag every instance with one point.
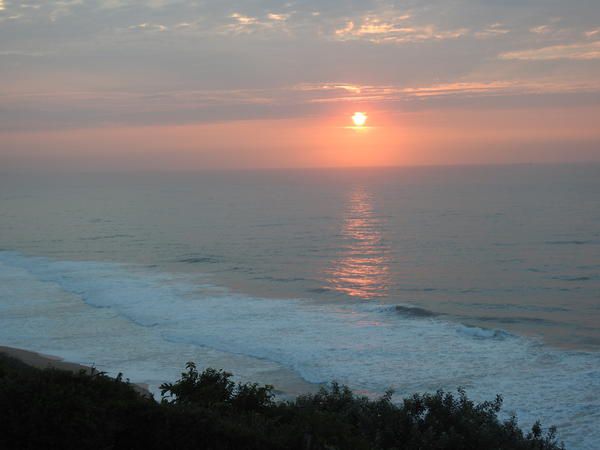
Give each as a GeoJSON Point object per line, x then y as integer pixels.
{"type": "Point", "coordinates": [359, 119]}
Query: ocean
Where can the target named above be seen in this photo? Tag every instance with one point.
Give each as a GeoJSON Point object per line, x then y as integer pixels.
{"type": "Point", "coordinates": [416, 279]}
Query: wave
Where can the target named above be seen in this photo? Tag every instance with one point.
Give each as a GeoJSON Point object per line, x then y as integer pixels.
{"type": "Point", "coordinates": [517, 319]}
{"type": "Point", "coordinates": [483, 333]}
{"type": "Point", "coordinates": [280, 279]}
{"type": "Point", "coordinates": [572, 278]}
{"type": "Point", "coordinates": [571, 242]}
{"type": "Point", "coordinates": [199, 260]}
{"type": "Point", "coordinates": [148, 323]}
{"type": "Point", "coordinates": [319, 290]}
{"type": "Point", "coordinates": [108, 236]}
{"type": "Point", "coordinates": [414, 311]}
{"type": "Point", "coordinates": [424, 289]}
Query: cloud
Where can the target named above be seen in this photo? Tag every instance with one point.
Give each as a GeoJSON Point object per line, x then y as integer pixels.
{"type": "Point", "coordinates": [344, 92]}
{"type": "Point", "coordinates": [149, 27]}
{"type": "Point", "coordinates": [346, 29]}
{"type": "Point", "coordinates": [63, 8]}
{"type": "Point", "coordinates": [592, 33]}
{"type": "Point", "coordinates": [579, 51]}
{"type": "Point", "coordinates": [112, 4]}
{"type": "Point", "coordinates": [23, 53]}
{"type": "Point", "coordinates": [493, 30]}
{"type": "Point", "coordinates": [244, 20]}
{"type": "Point", "coordinates": [542, 29]}
{"type": "Point", "coordinates": [555, 29]}
{"type": "Point", "coordinates": [13, 17]}
{"type": "Point", "coordinates": [278, 17]}
{"type": "Point", "coordinates": [387, 28]}
{"type": "Point", "coordinates": [246, 24]}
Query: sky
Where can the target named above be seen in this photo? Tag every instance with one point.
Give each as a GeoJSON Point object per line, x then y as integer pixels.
{"type": "Point", "coordinates": [190, 85]}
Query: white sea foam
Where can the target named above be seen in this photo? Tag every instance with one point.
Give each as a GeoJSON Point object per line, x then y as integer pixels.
{"type": "Point", "coordinates": [483, 333]}
{"type": "Point", "coordinates": [148, 324]}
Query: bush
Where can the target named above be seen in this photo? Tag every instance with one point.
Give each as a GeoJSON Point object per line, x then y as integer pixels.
{"type": "Point", "coordinates": [207, 410]}
{"type": "Point", "coordinates": [215, 388]}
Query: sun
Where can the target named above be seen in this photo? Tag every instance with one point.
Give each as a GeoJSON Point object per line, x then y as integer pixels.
{"type": "Point", "coordinates": [359, 119]}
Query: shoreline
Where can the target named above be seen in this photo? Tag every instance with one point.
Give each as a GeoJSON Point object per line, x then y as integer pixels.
{"type": "Point", "coordinates": [44, 361]}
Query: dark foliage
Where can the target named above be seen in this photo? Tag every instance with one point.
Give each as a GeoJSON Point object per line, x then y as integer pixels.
{"type": "Point", "coordinates": [214, 388]}
{"type": "Point", "coordinates": [52, 409]}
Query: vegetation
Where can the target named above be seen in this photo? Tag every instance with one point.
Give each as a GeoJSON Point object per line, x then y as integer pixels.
{"type": "Point", "coordinates": [46, 409]}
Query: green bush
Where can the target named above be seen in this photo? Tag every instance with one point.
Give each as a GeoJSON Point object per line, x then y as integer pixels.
{"type": "Point", "coordinates": [47, 409]}
{"type": "Point", "coordinates": [215, 388]}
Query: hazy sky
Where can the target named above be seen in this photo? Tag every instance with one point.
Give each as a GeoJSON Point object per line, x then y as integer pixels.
{"type": "Point", "coordinates": [126, 84]}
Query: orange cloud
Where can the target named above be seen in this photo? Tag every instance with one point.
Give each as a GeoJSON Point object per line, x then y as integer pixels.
{"type": "Point", "coordinates": [390, 27]}
{"type": "Point", "coordinates": [579, 51]}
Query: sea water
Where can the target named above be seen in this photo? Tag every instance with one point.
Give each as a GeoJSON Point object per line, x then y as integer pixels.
{"type": "Point", "coordinates": [415, 279]}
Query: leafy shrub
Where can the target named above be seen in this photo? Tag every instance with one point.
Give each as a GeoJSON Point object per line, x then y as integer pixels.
{"type": "Point", "coordinates": [206, 410]}
{"type": "Point", "coordinates": [215, 388]}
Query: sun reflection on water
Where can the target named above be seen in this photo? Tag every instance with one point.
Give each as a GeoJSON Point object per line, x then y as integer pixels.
{"type": "Point", "coordinates": [362, 270]}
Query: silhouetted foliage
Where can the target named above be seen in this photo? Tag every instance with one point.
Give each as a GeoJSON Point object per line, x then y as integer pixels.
{"type": "Point", "coordinates": [215, 388]}
{"type": "Point", "coordinates": [207, 410]}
